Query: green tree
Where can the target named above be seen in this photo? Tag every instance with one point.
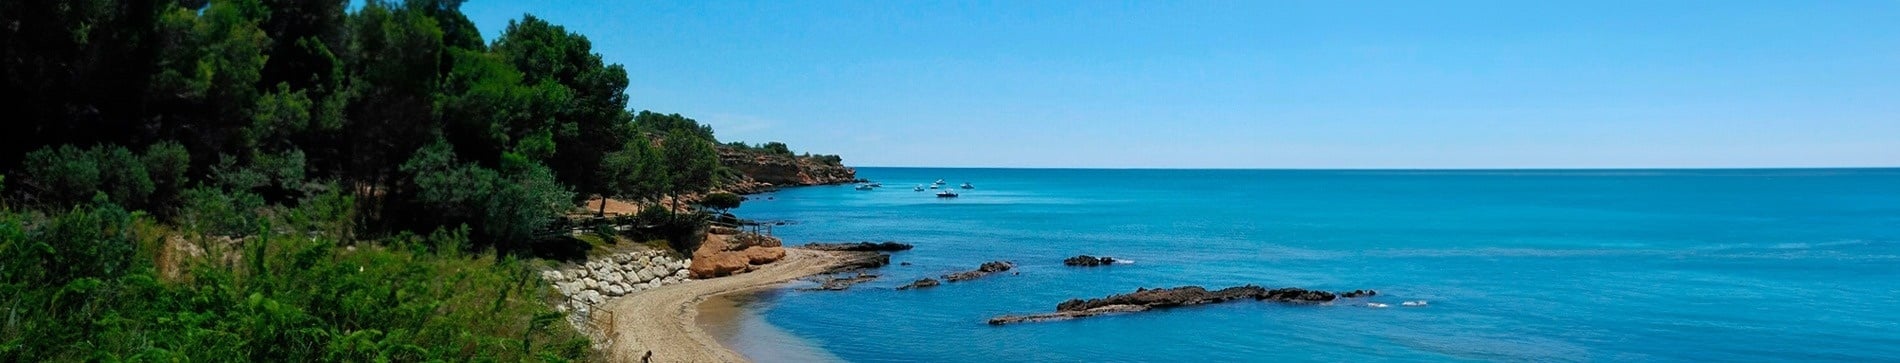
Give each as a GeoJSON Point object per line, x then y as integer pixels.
{"type": "Point", "coordinates": [637, 172]}
{"type": "Point", "coordinates": [68, 176]}
{"type": "Point", "coordinates": [721, 201]}
{"type": "Point", "coordinates": [505, 206]}
{"type": "Point", "coordinates": [595, 121]}
{"type": "Point", "coordinates": [691, 161]}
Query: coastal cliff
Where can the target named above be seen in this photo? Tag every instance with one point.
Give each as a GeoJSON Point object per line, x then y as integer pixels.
{"type": "Point", "coordinates": [761, 170]}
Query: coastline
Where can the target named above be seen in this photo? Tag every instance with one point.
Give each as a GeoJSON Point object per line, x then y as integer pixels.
{"type": "Point", "coordinates": [736, 322]}
{"type": "Point", "coordinates": [663, 321]}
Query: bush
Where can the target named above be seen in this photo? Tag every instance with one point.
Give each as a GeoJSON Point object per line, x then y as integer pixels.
{"type": "Point", "coordinates": [167, 163]}
{"type": "Point", "coordinates": [68, 176]}
{"type": "Point", "coordinates": [505, 206]}
{"type": "Point", "coordinates": [682, 230]}
{"type": "Point", "coordinates": [214, 211]}
{"type": "Point", "coordinates": [290, 297]}
{"type": "Point", "coordinates": [721, 201]}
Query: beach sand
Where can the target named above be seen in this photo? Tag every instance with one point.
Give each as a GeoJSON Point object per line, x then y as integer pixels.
{"type": "Point", "coordinates": [663, 320]}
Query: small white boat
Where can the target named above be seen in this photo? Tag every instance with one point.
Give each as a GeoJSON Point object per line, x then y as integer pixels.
{"type": "Point", "coordinates": [939, 181]}
{"type": "Point", "coordinates": [920, 187]}
{"type": "Point", "coordinates": [1377, 305]}
{"type": "Point", "coordinates": [1413, 303]}
{"type": "Point", "coordinates": [966, 185]}
{"type": "Point", "coordinates": [935, 186]}
{"type": "Point", "coordinates": [864, 187]}
{"type": "Point", "coordinates": [946, 194]}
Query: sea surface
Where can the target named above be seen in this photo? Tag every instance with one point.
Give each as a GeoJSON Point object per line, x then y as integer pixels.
{"type": "Point", "coordinates": [1535, 265]}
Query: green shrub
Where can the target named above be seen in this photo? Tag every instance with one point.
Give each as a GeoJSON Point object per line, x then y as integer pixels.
{"type": "Point", "coordinates": [167, 163]}
{"type": "Point", "coordinates": [67, 176]}
{"type": "Point", "coordinates": [505, 206]}
{"type": "Point", "coordinates": [292, 296]}
{"type": "Point", "coordinates": [721, 201]}
{"type": "Point", "coordinates": [214, 211]}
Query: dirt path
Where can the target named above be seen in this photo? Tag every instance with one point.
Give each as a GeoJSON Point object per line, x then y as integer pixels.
{"type": "Point", "coordinates": [662, 320]}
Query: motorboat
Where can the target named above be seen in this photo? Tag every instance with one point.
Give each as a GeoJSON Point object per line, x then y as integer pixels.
{"type": "Point", "coordinates": [946, 194]}
{"type": "Point", "coordinates": [920, 187]}
{"type": "Point", "coordinates": [966, 185]}
{"type": "Point", "coordinates": [935, 186]}
{"type": "Point", "coordinates": [864, 187]}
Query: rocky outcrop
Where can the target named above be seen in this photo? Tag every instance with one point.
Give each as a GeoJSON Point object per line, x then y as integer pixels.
{"type": "Point", "coordinates": [591, 283]}
{"type": "Point", "coordinates": [1088, 261]}
{"type": "Point", "coordinates": [861, 260]}
{"type": "Point", "coordinates": [1146, 299]}
{"type": "Point", "coordinates": [1359, 294]}
{"type": "Point", "coordinates": [724, 255]}
{"type": "Point", "coordinates": [761, 171]}
{"type": "Point", "coordinates": [886, 246]}
{"type": "Point", "coordinates": [920, 283]}
{"type": "Point", "coordinates": [835, 283]}
{"type": "Point", "coordinates": [984, 270]}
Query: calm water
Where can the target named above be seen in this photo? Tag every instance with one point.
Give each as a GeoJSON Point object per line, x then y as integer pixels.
{"type": "Point", "coordinates": [1642, 265]}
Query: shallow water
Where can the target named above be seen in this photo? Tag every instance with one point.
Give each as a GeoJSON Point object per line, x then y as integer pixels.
{"type": "Point", "coordinates": [1647, 265]}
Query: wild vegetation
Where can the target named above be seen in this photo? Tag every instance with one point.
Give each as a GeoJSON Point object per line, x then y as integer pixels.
{"type": "Point", "coordinates": [273, 180]}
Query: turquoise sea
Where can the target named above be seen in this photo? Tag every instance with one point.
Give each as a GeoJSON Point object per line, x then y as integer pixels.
{"type": "Point", "coordinates": [1534, 265]}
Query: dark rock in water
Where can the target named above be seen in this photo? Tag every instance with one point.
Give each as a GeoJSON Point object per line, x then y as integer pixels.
{"type": "Point", "coordinates": [1359, 294]}
{"type": "Point", "coordinates": [920, 283]}
{"type": "Point", "coordinates": [1086, 260]}
{"type": "Point", "coordinates": [1185, 295]}
{"type": "Point", "coordinates": [862, 260]}
{"type": "Point", "coordinates": [906, 263]}
{"type": "Point", "coordinates": [984, 270]}
{"type": "Point", "coordinates": [841, 283]}
{"type": "Point", "coordinates": [1064, 315]}
{"type": "Point", "coordinates": [1144, 299]}
{"type": "Point", "coordinates": [860, 246]}
{"type": "Point", "coordinates": [1294, 294]}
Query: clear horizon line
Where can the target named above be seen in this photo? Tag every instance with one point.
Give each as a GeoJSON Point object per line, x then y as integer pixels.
{"type": "Point", "coordinates": [1393, 169]}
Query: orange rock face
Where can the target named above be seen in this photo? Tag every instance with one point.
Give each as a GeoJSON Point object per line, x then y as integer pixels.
{"type": "Point", "coordinates": [713, 259]}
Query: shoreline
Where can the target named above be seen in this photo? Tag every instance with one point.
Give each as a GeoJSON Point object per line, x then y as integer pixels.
{"type": "Point", "coordinates": [663, 321]}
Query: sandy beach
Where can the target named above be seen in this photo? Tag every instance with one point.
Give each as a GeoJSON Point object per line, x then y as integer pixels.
{"type": "Point", "coordinates": [662, 320]}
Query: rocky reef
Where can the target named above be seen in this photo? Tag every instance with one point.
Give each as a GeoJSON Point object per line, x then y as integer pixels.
{"type": "Point", "coordinates": [886, 246]}
{"type": "Point", "coordinates": [984, 270]}
{"type": "Point", "coordinates": [761, 171]}
{"type": "Point", "coordinates": [835, 283]}
{"type": "Point", "coordinates": [1088, 261]}
{"type": "Point", "coordinates": [1148, 299]}
{"type": "Point", "coordinates": [588, 284]}
{"type": "Point", "coordinates": [920, 283]}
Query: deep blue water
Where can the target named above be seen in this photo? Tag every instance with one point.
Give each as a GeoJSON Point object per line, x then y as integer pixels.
{"type": "Point", "coordinates": [1598, 265]}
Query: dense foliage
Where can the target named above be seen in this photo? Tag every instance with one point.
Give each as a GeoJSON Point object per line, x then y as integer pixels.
{"type": "Point", "coordinates": [97, 282]}
{"type": "Point", "coordinates": [251, 179]}
{"type": "Point", "coordinates": [267, 102]}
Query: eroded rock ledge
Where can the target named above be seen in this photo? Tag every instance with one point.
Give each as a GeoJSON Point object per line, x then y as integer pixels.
{"type": "Point", "coordinates": [886, 246]}
{"type": "Point", "coordinates": [1088, 261]}
{"type": "Point", "coordinates": [984, 270]}
{"type": "Point", "coordinates": [1146, 299]}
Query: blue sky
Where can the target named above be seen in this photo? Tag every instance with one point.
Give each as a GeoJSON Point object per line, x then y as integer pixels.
{"type": "Point", "coordinates": [1266, 84]}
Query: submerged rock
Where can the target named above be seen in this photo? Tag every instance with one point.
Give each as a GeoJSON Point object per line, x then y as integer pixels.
{"type": "Point", "coordinates": [1359, 294]}
{"type": "Point", "coordinates": [859, 246]}
{"type": "Point", "coordinates": [920, 283]}
{"type": "Point", "coordinates": [1086, 261]}
{"type": "Point", "coordinates": [1147, 299]}
{"type": "Point", "coordinates": [841, 283]}
{"type": "Point", "coordinates": [861, 260]}
{"type": "Point", "coordinates": [984, 270]}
